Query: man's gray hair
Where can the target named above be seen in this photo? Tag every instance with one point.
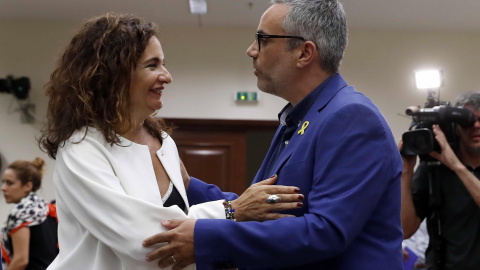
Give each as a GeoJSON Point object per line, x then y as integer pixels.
{"type": "Point", "coordinates": [471, 99]}
{"type": "Point", "coordinates": [320, 21]}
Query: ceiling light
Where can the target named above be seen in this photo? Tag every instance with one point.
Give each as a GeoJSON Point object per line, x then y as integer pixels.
{"type": "Point", "coordinates": [428, 79]}
{"type": "Point", "coordinates": [198, 6]}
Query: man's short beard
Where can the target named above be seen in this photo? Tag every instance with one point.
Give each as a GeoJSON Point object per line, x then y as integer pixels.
{"type": "Point", "coordinates": [473, 150]}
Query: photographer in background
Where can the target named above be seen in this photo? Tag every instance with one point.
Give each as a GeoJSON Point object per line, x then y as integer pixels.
{"type": "Point", "coordinates": [459, 188]}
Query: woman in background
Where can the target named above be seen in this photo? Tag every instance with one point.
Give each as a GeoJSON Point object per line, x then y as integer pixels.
{"type": "Point", "coordinates": [29, 237]}
{"type": "Point", "coordinates": [117, 172]}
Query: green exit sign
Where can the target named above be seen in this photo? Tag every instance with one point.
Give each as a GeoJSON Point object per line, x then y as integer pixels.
{"type": "Point", "coordinates": [246, 96]}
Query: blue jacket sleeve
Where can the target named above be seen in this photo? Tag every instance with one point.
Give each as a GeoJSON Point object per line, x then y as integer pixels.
{"type": "Point", "coordinates": [200, 192]}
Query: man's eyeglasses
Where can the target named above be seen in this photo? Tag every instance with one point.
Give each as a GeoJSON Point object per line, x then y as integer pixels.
{"type": "Point", "coordinates": [260, 36]}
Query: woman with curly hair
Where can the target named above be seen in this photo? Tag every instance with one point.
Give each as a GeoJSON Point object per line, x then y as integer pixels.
{"type": "Point", "coordinates": [118, 173]}
{"type": "Point", "coordinates": [29, 238]}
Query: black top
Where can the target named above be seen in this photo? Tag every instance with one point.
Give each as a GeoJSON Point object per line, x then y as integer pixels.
{"type": "Point", "coordinates": [460, 217]}
{"type": "Point", "coordinates": [43, 245]}
{"type": "Point", "coordinates": [175, 199]}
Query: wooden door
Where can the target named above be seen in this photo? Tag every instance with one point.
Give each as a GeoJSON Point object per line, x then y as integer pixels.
{"type": "Point", "coordinates": [214, 158]}
{"type": "Point", "coordinates": [215, 151]}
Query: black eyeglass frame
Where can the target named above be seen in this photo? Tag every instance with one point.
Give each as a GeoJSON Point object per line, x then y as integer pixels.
{"type": "Point", "coordinates": [261, 35]}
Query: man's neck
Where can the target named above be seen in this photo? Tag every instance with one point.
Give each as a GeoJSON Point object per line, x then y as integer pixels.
{"type": "Point", "coordinates": [305, 85]}
{"type": "Point", "coordinates": [470, 157]}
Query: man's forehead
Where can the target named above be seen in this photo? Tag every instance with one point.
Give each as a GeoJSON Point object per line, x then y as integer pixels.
{"type": "Point", "coordinates": [272, 18]}
{"type": "Point", "coordinates": [476, 112]}
{"type": "Point", "coordinates": [471, 108]}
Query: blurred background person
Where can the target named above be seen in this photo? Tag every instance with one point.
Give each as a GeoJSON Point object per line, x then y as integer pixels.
{"type": "Point", "coordinates": [456, 192]}
{"type": "Point", "coordinates": [29, 236]}
{"type": "Point", "coordinates": [416, 244]}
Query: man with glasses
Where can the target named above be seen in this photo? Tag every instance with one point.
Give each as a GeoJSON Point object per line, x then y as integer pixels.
{"type": "Point", "coordinates": [332, 143]}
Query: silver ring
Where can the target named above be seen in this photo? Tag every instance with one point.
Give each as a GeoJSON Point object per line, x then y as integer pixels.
{"type": "Point", "coordinates": [273, 199]}
{"type": "Point", "coordinates": [173, 258]}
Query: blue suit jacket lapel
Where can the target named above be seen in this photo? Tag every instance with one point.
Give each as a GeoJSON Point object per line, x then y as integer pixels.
{"type": "Point", "coordinates": [335, 85]}
{"type": "Point", "coordinates": [268, 156]}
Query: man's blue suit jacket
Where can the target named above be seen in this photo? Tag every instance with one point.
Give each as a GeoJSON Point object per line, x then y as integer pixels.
{"type": "Point", "coordinates": [348, 166]}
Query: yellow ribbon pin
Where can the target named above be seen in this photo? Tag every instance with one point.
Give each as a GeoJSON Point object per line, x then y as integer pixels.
{"type": "Point", "coordinates": [302, 130]}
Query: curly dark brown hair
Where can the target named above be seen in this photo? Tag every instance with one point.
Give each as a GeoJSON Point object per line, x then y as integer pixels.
{"type": "Point", "coordinates": [29, 171]}
{"type": "Point", "coordinates": [90, 85]}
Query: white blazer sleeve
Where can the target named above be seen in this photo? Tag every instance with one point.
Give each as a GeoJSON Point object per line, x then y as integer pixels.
{"type": "Point", "coordinates": [91, 192]}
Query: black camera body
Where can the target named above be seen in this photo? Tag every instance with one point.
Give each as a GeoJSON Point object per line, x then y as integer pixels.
{"type": "Point", "coordinates": [19, 87]}
{"type": "Point", "coordinates": [421, 140]}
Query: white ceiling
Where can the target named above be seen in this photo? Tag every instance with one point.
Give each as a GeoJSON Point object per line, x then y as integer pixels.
{"type": "Point", "coordinates": [443, 15]}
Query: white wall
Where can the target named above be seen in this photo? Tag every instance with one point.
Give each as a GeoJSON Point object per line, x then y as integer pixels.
{"type": "Point", "coordinates": [380, 64]}
{"type": "Point", "coordinates": [27, 49]}
{"type": "Point", "coordinates": [209, 64]}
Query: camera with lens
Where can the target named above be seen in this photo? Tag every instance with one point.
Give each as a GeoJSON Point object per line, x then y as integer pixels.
{"type": "Point", "coordinates": [420, 140]}
{"type": "Point", "coordinates": [19, 87]}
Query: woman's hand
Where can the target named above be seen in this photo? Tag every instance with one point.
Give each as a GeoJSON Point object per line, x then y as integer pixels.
{"type": "Point", "coordinates": [405, 255]}
{"type": "Point", "coordinates": [252, 204]}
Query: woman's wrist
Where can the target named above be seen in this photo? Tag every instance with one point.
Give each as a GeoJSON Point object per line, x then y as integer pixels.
{"type": "Point", "coordinates": [229, 210]}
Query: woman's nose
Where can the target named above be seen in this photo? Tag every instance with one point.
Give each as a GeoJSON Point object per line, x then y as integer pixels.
{"type": "Point", "coordinates": [165, 76]}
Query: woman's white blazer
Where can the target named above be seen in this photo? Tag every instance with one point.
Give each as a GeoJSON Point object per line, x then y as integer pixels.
{"type": "Point", "coordinates": [108, 202]}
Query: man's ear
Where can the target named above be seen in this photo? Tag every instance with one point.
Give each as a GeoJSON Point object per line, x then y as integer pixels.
{"type": "Point", "coordinates": [308, 52]}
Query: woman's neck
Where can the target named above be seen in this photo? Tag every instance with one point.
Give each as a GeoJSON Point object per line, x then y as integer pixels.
{"type": "Point", "coordinates": [136, 134]}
